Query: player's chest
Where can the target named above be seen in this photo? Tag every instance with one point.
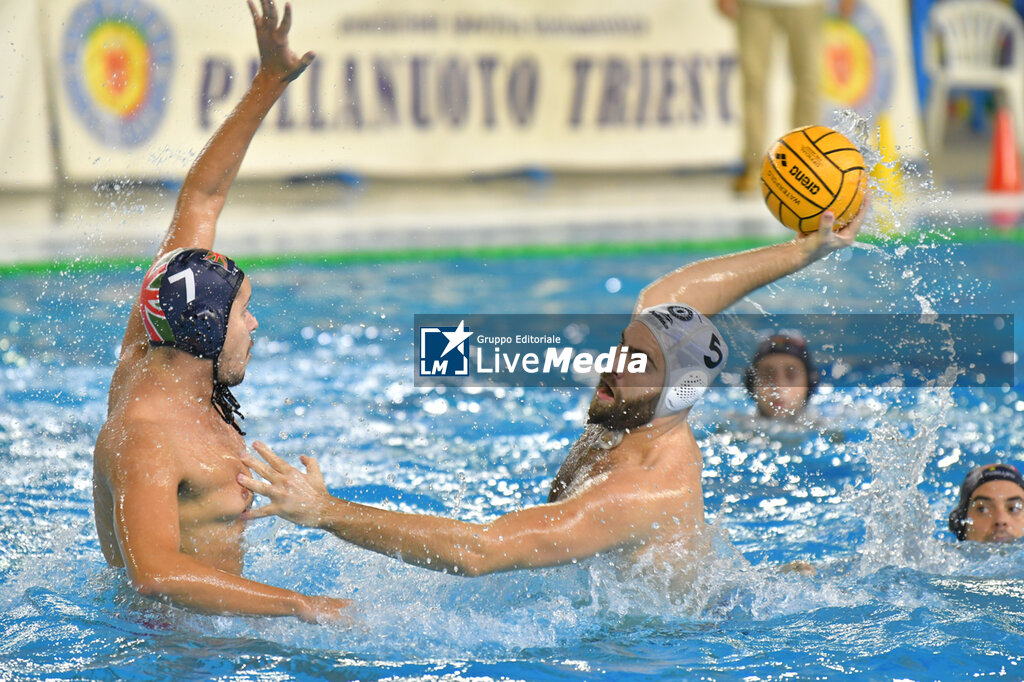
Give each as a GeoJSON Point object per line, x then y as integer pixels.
{"type": "Point", "coordinates": [210, 467]}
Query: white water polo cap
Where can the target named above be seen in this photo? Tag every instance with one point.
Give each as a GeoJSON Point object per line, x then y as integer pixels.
{"type": "Point", "coordinates": [693, 351]}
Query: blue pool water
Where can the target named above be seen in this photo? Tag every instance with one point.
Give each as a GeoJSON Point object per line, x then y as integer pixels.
{"type": "Point", "coordinates": [894, 597]}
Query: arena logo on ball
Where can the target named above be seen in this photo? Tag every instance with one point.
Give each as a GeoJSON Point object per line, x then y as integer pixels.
{"type": "Point", "coordinates": [859, 64]}
{"type": "Point", "coordinates": [522, 350]}
{"type": "Point", "coordinates": [117, 62]}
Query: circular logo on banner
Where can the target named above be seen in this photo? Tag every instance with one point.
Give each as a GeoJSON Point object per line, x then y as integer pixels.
{"type": "Point", "coordinates": [858, 62]}
{"type": "Point", "coordinates": [117, 60]}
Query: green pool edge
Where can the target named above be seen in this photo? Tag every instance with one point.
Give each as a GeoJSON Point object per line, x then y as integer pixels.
{"type": "Point", "coordinates": [963, 235]}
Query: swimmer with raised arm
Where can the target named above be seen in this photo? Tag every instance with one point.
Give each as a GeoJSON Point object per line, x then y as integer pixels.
{"type": "Point", "coordinates": [168, 506]}
{"type": "Point", "coordinates": [631, 483]}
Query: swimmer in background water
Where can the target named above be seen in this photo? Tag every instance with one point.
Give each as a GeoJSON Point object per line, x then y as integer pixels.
{"type": "Point", "coordinates": [630, 484]}
{"type": "Point", "coordinates": [168, 507]}
{"type": "Point", "coordinates": [991, 506]}
{"type": "Point", "coordinates": [781, 378]}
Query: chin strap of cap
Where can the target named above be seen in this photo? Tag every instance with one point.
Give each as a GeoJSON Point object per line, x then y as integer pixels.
{"type": "Point", "coordinates": [225, 402]}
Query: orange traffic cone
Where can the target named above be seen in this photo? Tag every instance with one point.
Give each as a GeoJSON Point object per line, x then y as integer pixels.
{"type": "Point", "coordinates": [1004, 173]}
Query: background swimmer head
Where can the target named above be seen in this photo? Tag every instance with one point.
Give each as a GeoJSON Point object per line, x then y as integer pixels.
{"type": "Point", "coordinates": [991, 506]}
{"type": "Point", "coordinates": [781, 376]}
{"type": "Point", "coordinates": [685, 353]}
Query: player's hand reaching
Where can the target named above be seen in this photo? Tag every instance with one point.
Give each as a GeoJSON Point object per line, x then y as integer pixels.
{"type": "Point", "coordinates": [276, 58]}
{"type": "Point", "coordinates": [825, 240]}
{"type": "Point", "coordinates": [299, 497]}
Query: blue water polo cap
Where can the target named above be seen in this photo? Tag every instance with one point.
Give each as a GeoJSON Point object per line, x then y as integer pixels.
{"type": "Point", "coordinates": [186, 300]}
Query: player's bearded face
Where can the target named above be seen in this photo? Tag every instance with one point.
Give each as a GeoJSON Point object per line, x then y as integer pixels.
{"type": "Point", "coordinates": [623, 413]}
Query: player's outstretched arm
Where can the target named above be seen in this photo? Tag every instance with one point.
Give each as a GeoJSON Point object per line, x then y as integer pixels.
{"type": "Point", "coordinates": [604, 517]}
{"type": "Point", "coordinates": [713, 284]}
{"type": "Point", "coordinates": [206, 186]}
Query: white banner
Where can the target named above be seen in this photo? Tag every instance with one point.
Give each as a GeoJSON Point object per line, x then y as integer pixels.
{"type": "Point", "coordinates": [404, 88]}
{"type": "Point", "coordinates": [25, 150]}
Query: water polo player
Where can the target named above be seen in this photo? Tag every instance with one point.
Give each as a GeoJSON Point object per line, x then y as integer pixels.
{"type": "Point", "coordinates": [781, 376]}
{"type": "Point", "coordinates": [168, 507]}
{"type": "Point", "coordinates": [631, 483]}
{"type": "Point", "coordinates": [991, 505]}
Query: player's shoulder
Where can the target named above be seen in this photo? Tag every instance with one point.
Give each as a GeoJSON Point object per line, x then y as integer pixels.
{"type": "Point", "coordinates": [651, 481]}
{"type": "Point", "coordinates": [136, 440]}
{"type": "Point", "coordinates": [630, 482]}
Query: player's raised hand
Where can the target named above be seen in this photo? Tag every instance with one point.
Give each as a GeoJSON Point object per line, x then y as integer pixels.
{"type": "Point", "coordinates": [825, 239]}
{"type": "Point", "coordinates": [276, 57]}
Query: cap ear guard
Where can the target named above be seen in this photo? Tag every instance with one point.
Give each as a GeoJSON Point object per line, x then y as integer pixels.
{"type": "Point", "coordinates": [202, 330]}
{"type": "Point", "coordinates": [686, 392]}
{"type": "Point", "coordinates": [958, 522]}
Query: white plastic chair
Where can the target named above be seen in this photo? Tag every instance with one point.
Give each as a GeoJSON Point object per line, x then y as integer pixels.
{"type": "Point", "coordinates": [976, 44]}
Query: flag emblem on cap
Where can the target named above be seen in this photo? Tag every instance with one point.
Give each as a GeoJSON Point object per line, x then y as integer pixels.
{"type": "Point", "coordinates": [153, 318]}
{"type": "Point", "coordinates": [215, 257]}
